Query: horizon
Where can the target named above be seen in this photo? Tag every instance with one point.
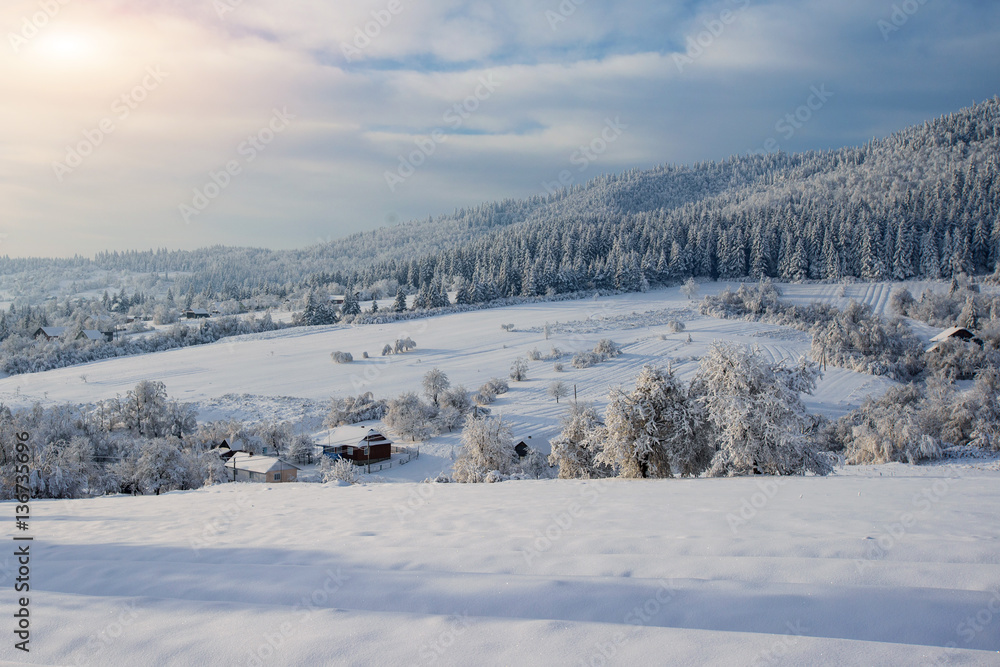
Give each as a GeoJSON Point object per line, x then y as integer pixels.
{"type": "Point", "coordinates": [194, 125]}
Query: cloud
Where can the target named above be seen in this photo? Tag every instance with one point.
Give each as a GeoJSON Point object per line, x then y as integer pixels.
{"type": "Point", "coordinates": [556, 83]}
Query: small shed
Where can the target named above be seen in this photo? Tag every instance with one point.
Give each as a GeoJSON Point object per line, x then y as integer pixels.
{"type": "Point", "coordinates": [360, 444]}
{"type": "Point", "coordinates": [249, 468]}
{"type": "Point", "coordinates": [49, 333]}
{"type": "Point", "coordinates": [197, 313]}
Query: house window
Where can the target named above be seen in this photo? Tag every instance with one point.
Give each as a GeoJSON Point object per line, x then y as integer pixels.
{"type": "Point", "coordinates": [277, 477]}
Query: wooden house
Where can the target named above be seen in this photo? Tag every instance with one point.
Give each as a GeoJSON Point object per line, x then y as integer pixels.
{"type": "Point", "coordinates": [197, 313]}
{"type": "Point", "coordinates": [49, 333]}
{"type": "Point", "coordinates": [360, 444]}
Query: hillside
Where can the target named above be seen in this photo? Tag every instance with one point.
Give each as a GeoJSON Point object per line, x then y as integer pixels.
{"type": "Point", "coordinates": [919, 203]}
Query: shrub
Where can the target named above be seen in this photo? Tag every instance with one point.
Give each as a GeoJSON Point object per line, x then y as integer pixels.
{"type": "Point", "coordinates": [675, 326]}
{"type": "Point", "coordinates": [607, 349]}
{"type": "Point", "coordinates": [342, 357]}
{"type": "Point", "coordinates": [586, 359]}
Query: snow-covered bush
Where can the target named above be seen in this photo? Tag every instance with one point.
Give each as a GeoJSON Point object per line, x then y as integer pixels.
{"type": "Point", "coordinates": [535, 355]}
{"type": "Point", "coordinates": [893, 427]}
{"type": "Point", "coordinates": [487, 446]}
{"type": "Point", "coordinates": [675, 326]}
{"type": "Point", "coordinates": [586, 359]}
{"type": "Point", "coordinates": [341, 470]}
{"type": "Point", "coordinates": [859, 340]}
{"type": "Point", "coordinates": [519, 370]}
{"type": "Point", "coordinates": [760, 423]}
{"type": "Point", "coordinates": [656, 430]}
{"type": "Point", "coordinates": [410, 417]}
{"type": "Point", "coordinates": [954, 359]}
{"type": "Point", "coordinates": [354, 409]}
{"type": "Point", "coordinates": [342, 357]}
{"type": "Point", "coordinates": [558, 367]}
{"type": "Point", "coordinates": [497, 386]}
{"type": "Point", "coordinates": [607, 349]}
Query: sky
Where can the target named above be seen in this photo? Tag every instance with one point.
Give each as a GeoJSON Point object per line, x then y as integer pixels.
{"type": "Point", "coordinates": [137, 124]}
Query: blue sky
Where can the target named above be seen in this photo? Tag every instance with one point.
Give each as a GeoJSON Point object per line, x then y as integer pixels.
{"type": "Point", "coordinates": [181, 124]}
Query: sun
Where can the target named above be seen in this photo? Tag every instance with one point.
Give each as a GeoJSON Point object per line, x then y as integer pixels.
{"type": "Point", "coordinates": [67, 47]}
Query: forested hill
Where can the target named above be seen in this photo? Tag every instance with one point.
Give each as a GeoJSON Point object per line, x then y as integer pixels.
{"type": "Point", "coordinates": [922, 202]}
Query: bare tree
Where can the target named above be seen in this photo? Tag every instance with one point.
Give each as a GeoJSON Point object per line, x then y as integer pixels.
{"type": "Point", "coordinates": [558, 390]}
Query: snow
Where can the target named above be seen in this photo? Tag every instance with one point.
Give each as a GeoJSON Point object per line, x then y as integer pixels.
{"type": "Point", "coordinates": [872, 565]}
{"type": "Point", "coordinates": [535, 573]}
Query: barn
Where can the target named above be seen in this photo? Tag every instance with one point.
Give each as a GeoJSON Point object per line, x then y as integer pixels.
{"type": "Point", "coordinates": [360, 444]}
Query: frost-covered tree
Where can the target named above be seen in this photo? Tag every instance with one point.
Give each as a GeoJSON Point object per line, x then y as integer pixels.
{"type": "Point", "coordinates": [558, 390]}
{"type": "Point", "coordinates": [487, 446]}
{"type": "Point", "coordinates": [434, 383]}
{"type": "Point", "coordinates": [575, 449]}
{"type": "Point", "coordinates": [656, 430]}
{"type": "Point", "coordinates": [760, 424]}
{"type": "Point", "coordinates": [689, 288]}
{"type": "Point", "coordinates": [409, 417]}
{"type": "Point", "coordinates": [519, 370]}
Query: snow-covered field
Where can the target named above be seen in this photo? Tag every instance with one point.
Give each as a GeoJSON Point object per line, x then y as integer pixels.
{"type": "Point", "coordinates": [882, 565]}
{"type": "Point", "coordinates": [288, 375]}
{"type": "Point", "coordinates": [892, 565]}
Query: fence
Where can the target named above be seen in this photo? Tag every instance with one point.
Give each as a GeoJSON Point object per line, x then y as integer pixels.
{"type": "Point", "coordinates": [408, 454]}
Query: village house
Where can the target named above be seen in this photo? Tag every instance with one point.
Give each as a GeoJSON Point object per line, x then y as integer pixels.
{"type": "Point", "coordinates": [196, 313]}
{"type": "Point", "coordinates": [246, 467]}
{"type": "Point", "coordinates": [360, 444]}
{"type": "Point", "coordinates": [954, 333]}
{"type": "Point", "coordinates": [49, 333]}
{"type": "Point", "coordinates": [96, 336]}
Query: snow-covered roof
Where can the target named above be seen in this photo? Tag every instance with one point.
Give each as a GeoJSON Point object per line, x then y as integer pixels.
{"type": "Point", "coordinates": [54, 332]}
{"type": "Point", "coordinates": [948, 333]}
{"type": "Point", "coordinates": [250, 463]}
{"type": "Point", "coordinates": [92, 334]}
{"type": "Point", "coordinates": [354, 435]}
